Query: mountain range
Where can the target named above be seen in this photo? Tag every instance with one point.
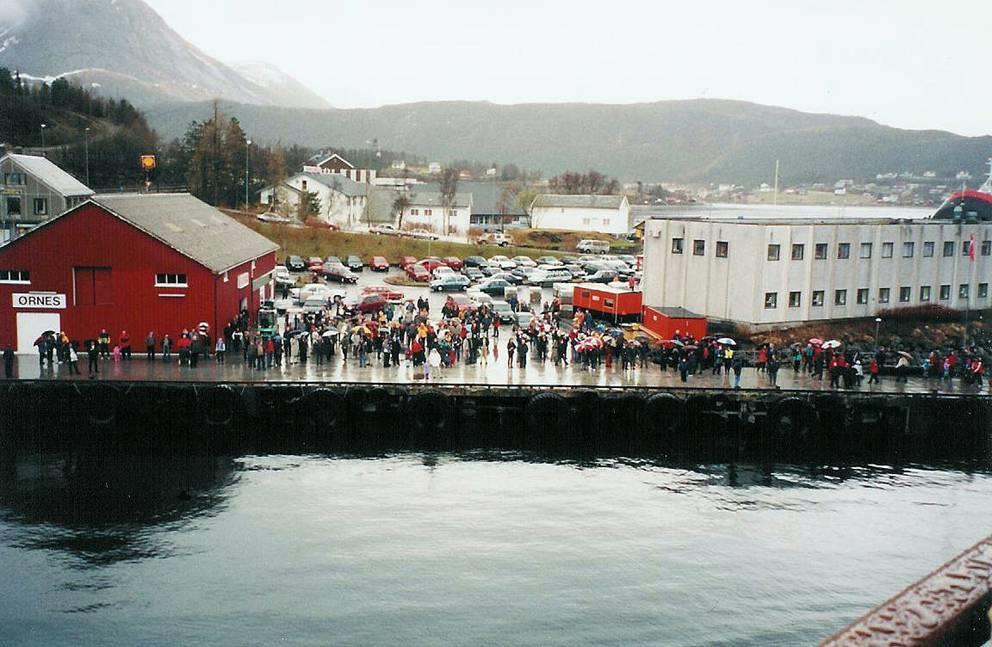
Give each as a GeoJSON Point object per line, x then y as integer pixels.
{"type": "Point", "coordinates": [703, 140]}
{"type": "Point", "coordinates": [123, 48]}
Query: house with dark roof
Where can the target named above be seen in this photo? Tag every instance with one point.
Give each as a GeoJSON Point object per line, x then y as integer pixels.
{"type": "Point", "coordinates": [603, 213]}
{"type": "Point", "coordinates": [132, 262]}
{"type": "Point", "coordinates": [334, 164]}
{"type": "Point", "coordinates": [33, 190]}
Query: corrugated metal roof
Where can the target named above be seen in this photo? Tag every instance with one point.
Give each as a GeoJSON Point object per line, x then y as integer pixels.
{"type": "Point", "coordinates": [48, 173]}
{"type": "Point", "coordinates": [191, 227]}
{"type": "Point", "coordinates": [579, 201]}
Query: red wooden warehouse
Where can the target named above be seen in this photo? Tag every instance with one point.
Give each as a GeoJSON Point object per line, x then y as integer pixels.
{"type": "Point", "coordinates": [140, 263]}
{"type": "Point", "coordinates": [667, 322]}
{"type": "Point", "coordinates": [616, 304]}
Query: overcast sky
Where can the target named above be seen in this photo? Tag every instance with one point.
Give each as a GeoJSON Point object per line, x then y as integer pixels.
{"type": "Point", "coordinates": [907, 63]}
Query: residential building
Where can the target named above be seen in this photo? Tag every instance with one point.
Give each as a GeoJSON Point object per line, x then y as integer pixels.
{"type": "Point", "coordinates": [342, 200]}
{"type": "Point", "coordinates": [334, 164]}
{"type": "Point", "coordinates": [603, 213]}
{"type": "Point", "coordinates": [426, 210]}
{"type": "Point", "coordinates": [34, 190]}
{"type": "Point", "coordinates": [787, 271]}
{"type": "Point", "coordinates": [134, 262]}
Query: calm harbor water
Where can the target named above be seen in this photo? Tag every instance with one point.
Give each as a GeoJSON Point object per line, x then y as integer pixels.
{"type": "Point", "coordinates": [419, 549]}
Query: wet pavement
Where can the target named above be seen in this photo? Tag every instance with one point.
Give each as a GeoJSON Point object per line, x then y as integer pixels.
{"type": "Point", "coordinates": [495, 373]}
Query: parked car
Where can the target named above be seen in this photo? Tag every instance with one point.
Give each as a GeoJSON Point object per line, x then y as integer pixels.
{"type": "Point", "coordinates": [503, 310]}
{"type": "Point", "coordinates": [464, 303]}
{"type": "Point", "coordinates": [629, 259]}
{"type": "Point", "coordinates": [295, 263]}
{"type": "Point", "coordinates": [312, 290]}
{"type": "Point", "coordinates": [281, 276]}
{"type": "Point", "coordinates": [488, 269]}
{"type": "Point", "coordinates": [314, 264]}
{"type": "Point", "coordinates": [502, 262]}
{"type": "Point", "coordinates": [441, 270]}
{"type": "Point", "coordinates": [450, 283]}
{"type": "Point", "coordinates": [384, 230]}
{"type": "Point", "coordinates": [431, 264]}
{"type": "Point", "coordinates": [548, 260]}
{"type": "Point", "coordinates": [474, 261]}
{"type": "Point", "coordinates": [332, 260]}
{"type": "Point", "coordinates": [454, 262]}
{"type": "Point", "coordinates": [274, 218]}
{"type": "Point", "coordinates": [602, 276]}
{"type": "Point", "coordinates": [340, 274]}
{"type": "Point", "coordinates": [494, 238]}
{"type": "Point", "coordinates": [509, 277]}
{"type": "Point", "coordinates": [474, 273]}
{"type": "Point", "coordinates": [314, 305]}
{"type": "Point", "coordinates": [379, 264]}
{"type": "Point", "coordinates": [365, 304]}
{"type": "Point", "coordinates": [481, 298]}
{"type": "Point", "coordinates": [524, 318]}
{"type": "Point", "coordinates": [575, 270]}
{"type": "Point", "coordinates": [417, 272]}
{"type": "Point", "coordinates": [593, 247]}
{"type": "Point", "coordinates": [405, 261]}
{"type": "Point", "coordinates": [282, 306]}
{"type": "Point", "coordinates": [550, 277]}
{"type": "Point", "coordinates": [524, 261]}
{"type": "Point", "coordinates": [495, 287]}
{"type": "Point", "coordinates": [354, 263]}
{"type": "Point", "coordinates": [388, 293]}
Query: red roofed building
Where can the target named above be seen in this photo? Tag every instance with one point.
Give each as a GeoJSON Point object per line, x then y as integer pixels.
{"type": "Point", "coordinates": [150, 262]}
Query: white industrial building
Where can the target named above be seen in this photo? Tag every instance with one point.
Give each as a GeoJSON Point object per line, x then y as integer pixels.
{"type": "Point", "coordinates": [609, 214]}
{"type": "Point", "coordinates": [781, 272]}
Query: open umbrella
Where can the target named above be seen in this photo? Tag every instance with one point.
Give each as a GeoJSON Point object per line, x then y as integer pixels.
{"type": "Point", "coordinates": [690, 348]}
{"type": "Point", "coordinates": [833, 343]}
{"type": "Point", "coordinates": [329, 333]}
{"type": "Point", "coordinates": [726, 341]}
{"type": "Point", "coordinates": [816, 341]}
{"type": "Point", "coordinates": [675, 342]}
{"type": "Point", "coordinates": [905, 354]}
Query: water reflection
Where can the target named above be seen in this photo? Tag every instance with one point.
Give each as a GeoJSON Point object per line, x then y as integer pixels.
{"type": "Point", "coordinates": [103, 507]}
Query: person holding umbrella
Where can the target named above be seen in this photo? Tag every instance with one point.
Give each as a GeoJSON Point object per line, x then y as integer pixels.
{"type": "Point", "coordinates": [902, 366]}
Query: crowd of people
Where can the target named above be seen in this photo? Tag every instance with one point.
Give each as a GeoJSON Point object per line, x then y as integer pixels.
{"type": "Point", "coordinates": [409, 334]}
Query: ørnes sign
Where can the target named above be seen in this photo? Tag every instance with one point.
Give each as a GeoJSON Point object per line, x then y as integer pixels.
{"type": "Point", "coordinates": [40, 300]}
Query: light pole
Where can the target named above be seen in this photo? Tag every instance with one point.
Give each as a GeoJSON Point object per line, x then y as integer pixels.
{"type": "Point", "coordinates": [87, 156]}
{"type": "Point", "coordinates": [247, 170]}
{"type": "Point", "coordinates": [878, 323]}
{"type": "Point", "coordinates": [43, 127]}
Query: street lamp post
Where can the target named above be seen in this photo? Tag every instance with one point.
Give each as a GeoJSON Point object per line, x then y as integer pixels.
{"type": "Point", "coordinates": [878, 323]}
{"type": "Point", "coordinates": [247, 170]}
{"type": "Point", "coordinates": [43, 127]}
{"type": "Point", "coordinates": [87, 156]}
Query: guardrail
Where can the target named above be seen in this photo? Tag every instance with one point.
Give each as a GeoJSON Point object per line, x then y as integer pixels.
{"type": "Point", "coordinates": [950, 606]}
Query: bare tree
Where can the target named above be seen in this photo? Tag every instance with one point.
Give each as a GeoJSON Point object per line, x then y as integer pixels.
{"type": "Point", "coordinates": [449, 189]}
{"type": "Point", "coordinates": [400, 205]}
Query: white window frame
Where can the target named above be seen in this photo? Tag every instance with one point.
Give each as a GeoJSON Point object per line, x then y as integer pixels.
{"type": "Point", "coordinates": [171, 280]}
{"type": "Point", "coordinates": [18, 281]}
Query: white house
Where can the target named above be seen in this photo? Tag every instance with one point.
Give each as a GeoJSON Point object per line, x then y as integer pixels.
{"type": "Point", "coordinates": [603, 213]}
{"type": "Point", "coordinates": [33, 190]}
{"type": "Point", "coordinates": [334, 164]}
{"type": "Point", "coordinates": [773, 272]}
{"type": "Point", "coordinates": [342, 200]}
{"type": "Point", "coordinates": [425, 210]}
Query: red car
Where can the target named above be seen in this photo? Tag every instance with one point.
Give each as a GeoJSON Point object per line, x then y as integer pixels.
{"type": "Point", "coordinates": [454, 263]}
{"type": "Point", "coordinates": [431, 264]}
{"type": "Point", "coordinates": [418, 272]}
{"type": "Point", "coordinates": [315, 264]}
{"type": "Point", "coordinates": [389, 294]}
{"type": "Point", "coordinates": [366, 304]}
{"type": "Point", "coordinates": [406, 261]}
{"type": "Point", "coordinates": [379, 264]}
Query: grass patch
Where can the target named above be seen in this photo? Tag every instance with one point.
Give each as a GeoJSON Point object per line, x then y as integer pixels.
{"type": "Point", "coordinates": [312, 241]}
{"type": "Point", "coordinates": [565, 241]}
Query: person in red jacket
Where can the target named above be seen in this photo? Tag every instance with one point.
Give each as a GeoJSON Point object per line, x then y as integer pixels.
{"type": "Point", "coordinates": [124, 341]}
{"type": "Point", "coordinates": [873, 371]}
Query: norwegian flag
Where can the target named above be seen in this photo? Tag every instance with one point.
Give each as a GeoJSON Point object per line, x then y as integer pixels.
{"type": "Point", "coordinates": [971, 248]}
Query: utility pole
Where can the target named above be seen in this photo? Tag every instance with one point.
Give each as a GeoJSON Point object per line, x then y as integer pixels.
{"type": "Point", "coordinates": [216, 152]}
{"type": "Point", "coordinates": [87, 156]}
{"type": "Point", "coordinates": [247, 170]}
{"type": "Point", "coordinates": [43, 127]}
{"type": "Point", "coordinates": [775, 199]}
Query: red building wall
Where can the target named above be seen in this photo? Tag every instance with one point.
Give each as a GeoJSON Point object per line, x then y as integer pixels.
{"type": "Point", "coordinates": [117, 289]}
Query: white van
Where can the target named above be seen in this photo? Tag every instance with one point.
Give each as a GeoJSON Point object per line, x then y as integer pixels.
{"type": "Point", "coordinates": [494, 238]}
{"type": "Point", "coordinates": [592, 247]}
